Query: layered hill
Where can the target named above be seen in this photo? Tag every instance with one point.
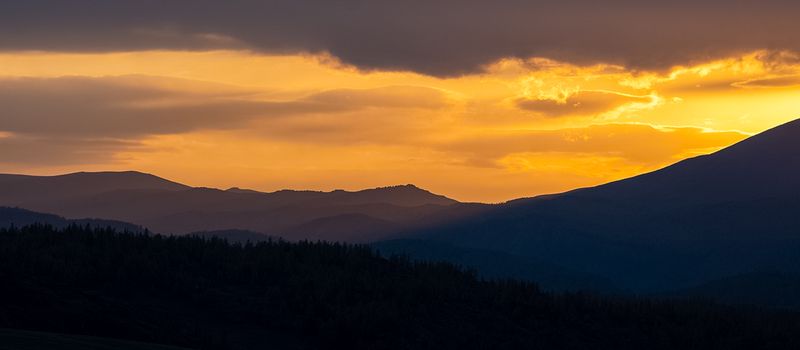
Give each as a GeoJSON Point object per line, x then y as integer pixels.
{"type": "Point", "coordinates": [170, 207]}
{"type": "Point", "coordinates": [17, 217]}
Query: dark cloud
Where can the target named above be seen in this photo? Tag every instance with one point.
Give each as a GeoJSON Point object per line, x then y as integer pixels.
{"type": "Point", "coordinates": [439, 37]}
{"type": "Point", "coordinates": [581, 103]}
{"type": "Point", "coordinates": [777, 60]}
{"type": "Point", "coordinates": [55, 151]}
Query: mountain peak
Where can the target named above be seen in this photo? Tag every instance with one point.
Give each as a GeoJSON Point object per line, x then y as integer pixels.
{"type": "Point", "coordinates": [762, 166]}
{"type": "Point", "coordinates": [407, 194]}
{"type": "Point", "coordinates": [242, 190]}
{"type": "Point", "coordinates": [410, 187]}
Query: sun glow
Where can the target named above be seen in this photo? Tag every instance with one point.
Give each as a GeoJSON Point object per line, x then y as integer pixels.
{"type": "Point", "coordinates": [520, 128]}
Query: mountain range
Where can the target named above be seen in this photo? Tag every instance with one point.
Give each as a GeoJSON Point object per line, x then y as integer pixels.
{"type": "Point", "coordinates": [169, 207]}
{"type": "Point", "coordinates": [705, 222]}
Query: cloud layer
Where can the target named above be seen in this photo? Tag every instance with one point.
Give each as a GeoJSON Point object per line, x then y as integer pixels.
{"type": "Point", "coordinates": [441, 37]}
{"type": "Point", "coordinates": [83, 120]}
{"type": "Point", "coordinates": [133, 106]}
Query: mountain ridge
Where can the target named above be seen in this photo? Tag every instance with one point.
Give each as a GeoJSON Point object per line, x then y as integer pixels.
{"type": "Point", "coordinates": [699, 219]}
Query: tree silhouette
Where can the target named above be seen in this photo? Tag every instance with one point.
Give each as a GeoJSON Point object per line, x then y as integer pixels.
{"type": "Point", "coordinates": [209, 294]}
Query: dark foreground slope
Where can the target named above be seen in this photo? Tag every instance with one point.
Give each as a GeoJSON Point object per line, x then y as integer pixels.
{"type": "Point", "coordinates": [211, 295]}
{"type": "Point", "coordinates": [11, 339]}
{"type": "Point", "coordinates": [705, 218]}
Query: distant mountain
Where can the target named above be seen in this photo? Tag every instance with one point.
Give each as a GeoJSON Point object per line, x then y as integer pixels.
{"type": "Point", "coordinates": [26, 189]}
{"type": "Point", "coordinates": [497, 265]}
{"type": "Point", "coordinates": [20, 217]}
{"type": "Point", "coordinates": [698, 220]}
{"type": "Point", "coordinates": [168, 207]}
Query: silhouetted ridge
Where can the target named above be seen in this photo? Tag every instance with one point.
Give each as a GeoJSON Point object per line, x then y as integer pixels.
{"type": "Point", "coordinates": [23, 189]}
{"type": "Point", "coordinates": [698, 220]}
{"type": "Point", "coordinates": [781, 141]}
{"type": "Point", "coordinates": [765, 165]}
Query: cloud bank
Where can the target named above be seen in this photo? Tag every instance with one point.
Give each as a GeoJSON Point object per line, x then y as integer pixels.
{"type": "Point", "coordinates": [439, 37]}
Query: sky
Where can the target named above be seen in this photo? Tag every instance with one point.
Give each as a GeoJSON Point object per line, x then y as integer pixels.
{"type": "Point", "coordinates": [477, 100]}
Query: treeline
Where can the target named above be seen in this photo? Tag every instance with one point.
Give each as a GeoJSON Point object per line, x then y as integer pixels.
{"type": "Point", "coordinates": [209, 294]}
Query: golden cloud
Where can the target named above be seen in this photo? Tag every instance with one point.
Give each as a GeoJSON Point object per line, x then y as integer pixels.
{"type": "Point", "coordinates": [585, 103]}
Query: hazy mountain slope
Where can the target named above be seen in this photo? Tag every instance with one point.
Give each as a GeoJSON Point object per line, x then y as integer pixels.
{"type": "Point", "coordinates": [496, 265]}
{"type": "Point", "coordinates": [700, 219]}
{"type": "Point", "coordinates": [356, 228]}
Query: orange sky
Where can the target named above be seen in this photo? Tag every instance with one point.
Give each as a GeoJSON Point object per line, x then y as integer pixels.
{"type": "Point", "coordinates": [237, 118]}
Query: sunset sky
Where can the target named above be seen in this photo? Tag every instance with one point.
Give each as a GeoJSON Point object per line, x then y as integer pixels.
{"type": "Point", "coordinates": [476, 102]}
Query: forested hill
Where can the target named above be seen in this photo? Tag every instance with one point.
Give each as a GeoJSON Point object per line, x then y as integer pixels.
{"type": "Point", "coordinates": [208, 294]}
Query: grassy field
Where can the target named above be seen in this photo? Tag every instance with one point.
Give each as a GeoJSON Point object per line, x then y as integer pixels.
{"type": "Point", "coordinates": [24, 340]}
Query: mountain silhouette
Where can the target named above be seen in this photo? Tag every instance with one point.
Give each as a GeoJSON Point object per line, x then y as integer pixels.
{"type": "Point", "coordinates": [699, 220]}
{"type": "Point", "coordinates": [704, 219]}
{"type": "Point", "coordinates": [170, 207]}
{"type": "Point", "coordinates": [25, 188]}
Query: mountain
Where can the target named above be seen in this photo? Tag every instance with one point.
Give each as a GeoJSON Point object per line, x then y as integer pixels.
{"type": "Point", "coordinates": [25, 188]}
{"type": "Point", "coordinates": [699, 220]}
{"type": "Point", "coordinates": [20, 217]}
{"type": "Point", "coordinates": [170, 207]}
